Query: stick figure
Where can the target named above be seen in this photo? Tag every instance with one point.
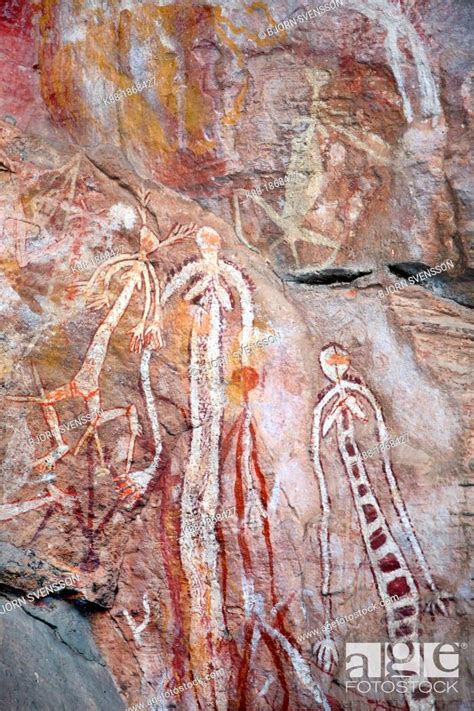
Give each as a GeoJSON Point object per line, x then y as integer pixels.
{"type": "Point", "coordinates": [264, 616]}
{"type": "Point", "coordinates": [139, 274]}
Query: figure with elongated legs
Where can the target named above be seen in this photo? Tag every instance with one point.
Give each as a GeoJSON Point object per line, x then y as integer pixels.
{"type": "Point", "coordinates": [138, 273]}
{"type": "Point", "coordinates": [212, 296]}
{"type": "Point", "coordinates": [347, 399]}
{"type": "Point", "coordinates": [52, 496]}
{"type": "Point", "coordinates": [302, 195]}
{"type": "Point", "coordinates": [264, 616]}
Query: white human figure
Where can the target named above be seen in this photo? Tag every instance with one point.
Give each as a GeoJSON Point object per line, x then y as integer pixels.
{"type": "Point", "coordinates": [212, 292]}
{"type": "Point", "coordinates": [150, 652]}
{"type": "Point", "coordinates": [138, 629]}
{"type": "Point", "coordinates": [213, 298]}
{"type": "Point", "coordinates": [348, 399]}
{"type": "Point", "coordinates": [300, 195]}
{"type": "Point", "coordinates": [306, 161]}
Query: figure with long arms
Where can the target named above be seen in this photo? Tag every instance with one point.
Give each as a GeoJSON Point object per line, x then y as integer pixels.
{"type": "Point", "coordinates": [210, 284]}
{"type": "Point", "coordinates": [138, 273]}
{"type": "Point", "coordinates": [345, 401]}
{"type": "Point", "coordinates": [207, 284]}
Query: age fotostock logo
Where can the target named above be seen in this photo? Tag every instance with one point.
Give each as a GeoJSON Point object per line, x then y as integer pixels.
{"type": "Point", "coordinates": [397, 667]}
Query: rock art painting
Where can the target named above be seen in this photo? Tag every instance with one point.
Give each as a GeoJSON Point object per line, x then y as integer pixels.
{"type": "Point", "coordinates": [235, 355]}
{"type": "Point", "coordinates": [346, 400]}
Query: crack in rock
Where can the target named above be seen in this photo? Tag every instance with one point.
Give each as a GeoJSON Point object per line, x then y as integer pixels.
{"type": "Point", "coordinates": [326, 277]}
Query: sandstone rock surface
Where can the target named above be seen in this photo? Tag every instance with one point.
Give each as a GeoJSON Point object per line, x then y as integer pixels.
{"type": "Point", "coordinates": [235, 263]}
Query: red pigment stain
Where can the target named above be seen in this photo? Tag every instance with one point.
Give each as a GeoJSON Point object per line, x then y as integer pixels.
{"type": "Point", "coordinates": [403, 631]}
{"type": "Point", "coordinates": [370, 512]}
{"type": "Point", "coordinates": [377, 539]}
{"type": "Point", "coordinates": [246, 378]}
{"type": "Point", "coordinates": [169, 535]}
{"type": "Point", "coordinates": [16, 17]}
{"type": "Point", "coordinates": [389, 563]}
{"type": "Point", "coordinates": [399, 587]}
{"type": "Point", "coordinates": [406, 611]}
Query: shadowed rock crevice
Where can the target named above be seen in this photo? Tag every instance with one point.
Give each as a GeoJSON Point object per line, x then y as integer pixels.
{"type": "Point", "coordinates": [456, 288]}
{"type": "Point", "coordinates": [326, 277]}
{"type": "Point", "coordinates": [22, 569]}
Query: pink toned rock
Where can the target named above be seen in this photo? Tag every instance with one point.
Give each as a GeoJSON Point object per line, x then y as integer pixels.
{"type": "Point", "coordinates": [191, 372]}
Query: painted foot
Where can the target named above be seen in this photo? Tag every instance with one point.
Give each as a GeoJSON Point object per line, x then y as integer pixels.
{"type": "Point", "coordinates": [140, 480]}
{"type": "Point", "coordinates": [438, 603]}
{"type": "Point", "coordinates": [135, 426]}
{"type": "Point", "coordinates": [326, 655]}
{"type": "Point", "coordinates": [127, 489]}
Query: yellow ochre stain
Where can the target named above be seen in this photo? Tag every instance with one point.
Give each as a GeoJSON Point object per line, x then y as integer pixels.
{"type": "Point", "coordinates": [170, 34]}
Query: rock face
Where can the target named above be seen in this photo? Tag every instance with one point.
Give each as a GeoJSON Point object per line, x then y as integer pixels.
{"type": "Point", "coordinates": [236, 282]}
{"type": "Point", "coordinates": [50, 660]}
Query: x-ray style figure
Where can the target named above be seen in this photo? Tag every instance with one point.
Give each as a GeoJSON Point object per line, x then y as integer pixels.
{"type": "Point", "coordinates": [137, 274]}
{"type": "Point", "coordinates": [346, 400]}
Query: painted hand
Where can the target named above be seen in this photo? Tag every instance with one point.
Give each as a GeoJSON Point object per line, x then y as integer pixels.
{"type": "Point", "coordinates": [180, 232]}
{"type": "Point", "coordinates": [137, 337]}
{"type": "Point", "coordinates": [153, 337]}
{"type": "Point", "coordinates": [93, 299]}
